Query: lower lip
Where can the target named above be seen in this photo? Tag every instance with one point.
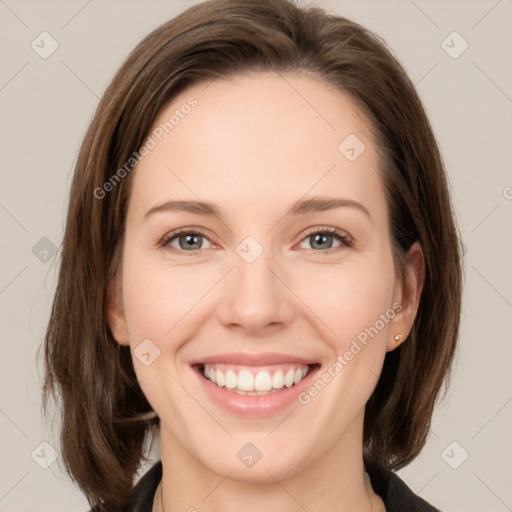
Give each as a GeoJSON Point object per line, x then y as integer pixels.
{"type": "Point", "coordinates": [247, 405]}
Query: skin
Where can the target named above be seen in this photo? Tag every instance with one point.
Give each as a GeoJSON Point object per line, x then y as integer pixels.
{"type": "Point", "coordinates": [254, 145]}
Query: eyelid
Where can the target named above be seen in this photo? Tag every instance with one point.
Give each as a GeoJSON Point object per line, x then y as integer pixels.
{"type": "Point", "coordinates": [190, 230]}
{"type": "Point", "coordinates": [345, 238]}
{"type": "Point", "coordinates": [330, 230]}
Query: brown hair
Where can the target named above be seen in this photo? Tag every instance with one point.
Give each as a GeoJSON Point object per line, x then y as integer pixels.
{"type": "Point", "coordinates": [104, 420]}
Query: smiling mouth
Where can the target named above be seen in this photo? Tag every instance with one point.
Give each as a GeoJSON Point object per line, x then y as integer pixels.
{"type": "Point", "coordinates": [255, 381]}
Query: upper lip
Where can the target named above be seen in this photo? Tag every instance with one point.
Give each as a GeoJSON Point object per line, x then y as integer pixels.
{"type": "Point", "coordinates": [267, 358]}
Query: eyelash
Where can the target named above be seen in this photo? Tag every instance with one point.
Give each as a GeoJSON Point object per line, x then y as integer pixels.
{"type": "Point", "coordinates": [342, 236]}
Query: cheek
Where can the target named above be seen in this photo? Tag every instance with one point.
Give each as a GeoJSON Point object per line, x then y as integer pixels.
{"type": "Point", "coordinates": [348, 298]}
{"type": "Point", "coordinates": [160, 303]}
{"type": "Point", "coordinates": [158, 296]}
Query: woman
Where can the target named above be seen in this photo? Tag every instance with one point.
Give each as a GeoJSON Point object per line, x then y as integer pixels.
{"type": "Point", "coordinates": [260, 263]}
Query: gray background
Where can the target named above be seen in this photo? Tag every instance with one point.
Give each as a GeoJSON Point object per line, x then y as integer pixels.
{"type": "Point", "coordinates": [46, 105]}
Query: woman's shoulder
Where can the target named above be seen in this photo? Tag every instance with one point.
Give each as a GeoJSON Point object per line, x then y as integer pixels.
{"type": "Point", "coordinates": [395, 493]}
{"type": "Point", "coordinates": [144, 491]}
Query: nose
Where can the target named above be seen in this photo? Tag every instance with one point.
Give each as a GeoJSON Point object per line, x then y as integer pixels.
{"type": "Point", "coordinates": [255, 299]}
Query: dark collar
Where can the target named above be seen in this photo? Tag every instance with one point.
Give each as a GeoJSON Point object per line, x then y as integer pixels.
{"type": "Point", "coordinates": [394, 492]}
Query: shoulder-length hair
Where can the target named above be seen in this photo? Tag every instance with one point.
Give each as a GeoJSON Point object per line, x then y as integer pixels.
{"type": "Point", "coordinates": [104, 413]}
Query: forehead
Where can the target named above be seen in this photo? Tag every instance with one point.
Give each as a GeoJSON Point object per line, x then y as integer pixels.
{"type": "Point", "coordinates": [255, 137]}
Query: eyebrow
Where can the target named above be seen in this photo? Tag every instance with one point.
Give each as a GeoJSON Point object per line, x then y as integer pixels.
{"type": "Point", "coordinates": [299, 207]}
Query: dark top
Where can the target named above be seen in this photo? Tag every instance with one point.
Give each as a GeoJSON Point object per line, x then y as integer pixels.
{"type": "Point", "coordinates": [395, 494]}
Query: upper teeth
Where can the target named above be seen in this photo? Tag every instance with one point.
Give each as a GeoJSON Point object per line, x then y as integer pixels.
{"type": "Point", "coordinates": [261, 381]}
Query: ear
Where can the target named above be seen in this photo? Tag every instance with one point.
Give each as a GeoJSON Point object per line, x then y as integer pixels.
{"type": "Point", "coordinates": [115, 313]}
{"type": "Point", "coordinates": [407, 294]}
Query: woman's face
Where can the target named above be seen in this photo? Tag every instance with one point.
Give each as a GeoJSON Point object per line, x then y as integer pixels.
{"type": "Point", "coordinates": [247, 289]}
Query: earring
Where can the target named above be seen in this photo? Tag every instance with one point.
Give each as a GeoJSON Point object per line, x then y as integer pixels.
{"type": "Point", "coordinates": [398, 337]}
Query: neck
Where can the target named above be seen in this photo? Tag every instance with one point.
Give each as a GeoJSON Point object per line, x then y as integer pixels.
{"type": "Point", "coordinates": [335, 481]}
